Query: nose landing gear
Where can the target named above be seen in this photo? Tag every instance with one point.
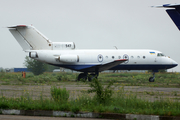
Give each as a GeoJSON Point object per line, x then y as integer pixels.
{"type": "Point", "coordinates": [151, 79]}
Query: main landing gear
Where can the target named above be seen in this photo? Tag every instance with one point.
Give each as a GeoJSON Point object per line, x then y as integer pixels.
{"type": "Point", "coordinates": [151, 79]}
{"type": "Point", "coordinates": [84, 76]}
{"type": "Point", "coordinates": [90, 77]}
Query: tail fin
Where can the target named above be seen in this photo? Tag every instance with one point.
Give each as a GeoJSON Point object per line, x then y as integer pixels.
{"type": "Point", "coordinates": [30, 38]}
{"type": "Point", "coordinates": [173, 13]}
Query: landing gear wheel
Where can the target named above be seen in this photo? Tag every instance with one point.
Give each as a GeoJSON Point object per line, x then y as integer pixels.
{"type": "Point", "coordinates": [151, 79]}
{"type": "Point", "coordinates": [91, 77]}
{"type": "Point", "coordinates": [82, 77]}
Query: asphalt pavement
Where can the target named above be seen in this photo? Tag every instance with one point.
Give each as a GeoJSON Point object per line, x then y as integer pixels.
{"type": "Point", "coordinates": [19, 117]}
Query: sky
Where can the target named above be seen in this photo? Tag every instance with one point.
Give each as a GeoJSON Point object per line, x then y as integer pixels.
{"type": "Point", "coordinates": [90, 24]}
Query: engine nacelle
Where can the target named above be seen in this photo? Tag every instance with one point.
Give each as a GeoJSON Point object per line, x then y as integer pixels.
{"type": "Point", "coordinates": [33, 55]}
{"type": "Point", "coordinates": [68, 58]}
{"type": "Point", "coordinates": [63, 45]}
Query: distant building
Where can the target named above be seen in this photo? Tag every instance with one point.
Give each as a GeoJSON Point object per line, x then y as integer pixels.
{"type": "Point", "coordinates": [16, 70]}
{"type": "Point", "coordinates": [21, 70]}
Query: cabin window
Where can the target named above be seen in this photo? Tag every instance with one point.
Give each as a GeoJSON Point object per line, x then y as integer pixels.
{"type": "Point", "coordinates": [138, 56]}
{"type": "Point", "coordinates": [112, 57]}
{"type": "Point", "coordinates": [132, 56]}
{"type": "Point", "coordinates": [119, 57]}
{"type": "Point", "coordinates": [144, 57]}
{"type": "Point", "coordinates": [106, 56]}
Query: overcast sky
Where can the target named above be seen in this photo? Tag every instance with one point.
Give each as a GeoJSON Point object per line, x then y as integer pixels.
{"type": "Point", "coordinates": [91, 24]}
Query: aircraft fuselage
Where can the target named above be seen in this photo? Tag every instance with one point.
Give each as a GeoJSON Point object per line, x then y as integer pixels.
{"type": "Point", "coordinates": [137, 59]}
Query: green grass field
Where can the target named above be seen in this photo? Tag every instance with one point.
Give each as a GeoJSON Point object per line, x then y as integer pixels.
{"type": "Point", "coordinates": [128, 79]}
{"type": "Point", "coordinates": [121, 101]}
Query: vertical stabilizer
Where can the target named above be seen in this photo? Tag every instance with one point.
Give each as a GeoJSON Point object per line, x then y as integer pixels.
{"type": "Point", "coordinates": [174, 13]}
{"type": "Point", "coordinates": [30, 38]}
{"type": "Point", "coordinates": [175, 16]}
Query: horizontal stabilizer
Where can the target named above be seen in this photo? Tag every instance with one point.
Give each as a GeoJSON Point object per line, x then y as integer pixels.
{"type": "Point", "coordinates": [16, 26]}
{"type": "Point", "coordinates": [167, 6]}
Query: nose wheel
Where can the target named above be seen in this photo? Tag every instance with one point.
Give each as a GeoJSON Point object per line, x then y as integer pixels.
{"type": "Point", "coordinates": [151, 79]}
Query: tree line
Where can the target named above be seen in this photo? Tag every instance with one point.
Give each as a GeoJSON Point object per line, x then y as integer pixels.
{"type": "Point", "coordinates": [37, 67]}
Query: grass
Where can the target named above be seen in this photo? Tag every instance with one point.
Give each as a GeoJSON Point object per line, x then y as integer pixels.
{"type": "Point", "coordinates": [122, 101]}
{"type": "Point", "coordinates": [59, 95]}
{"type": "Point", "coordinates": [128, 79]}
{"type": "Point", "coordinates": [141, 79]}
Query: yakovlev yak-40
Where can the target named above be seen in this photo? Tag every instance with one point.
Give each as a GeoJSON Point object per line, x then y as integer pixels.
{"type": "Point", "coordinates": [92, 61]}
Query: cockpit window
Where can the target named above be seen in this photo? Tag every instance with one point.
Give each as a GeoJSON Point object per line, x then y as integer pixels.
{"type": "Point", "coordinates": [160, 54]}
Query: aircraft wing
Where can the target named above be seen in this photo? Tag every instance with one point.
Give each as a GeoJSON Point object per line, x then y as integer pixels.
{"type": "Point", "coordinates": [105, 66]}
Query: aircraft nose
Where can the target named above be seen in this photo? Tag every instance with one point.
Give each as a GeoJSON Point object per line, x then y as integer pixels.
{"type": "Point", "coordinates": [174, 63]}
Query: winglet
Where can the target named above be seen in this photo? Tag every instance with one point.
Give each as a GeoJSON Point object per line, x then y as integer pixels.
{"type": "Point", "coordinates": [174, 13]}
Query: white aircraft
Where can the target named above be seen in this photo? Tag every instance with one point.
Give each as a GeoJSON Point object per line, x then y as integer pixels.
{"type": "Point", "coordinates": [93, 61]}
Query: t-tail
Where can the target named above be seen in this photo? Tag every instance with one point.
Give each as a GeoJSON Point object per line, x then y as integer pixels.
{"type": "Point", "coordinates": [173, 12]}
{"type": "Point", "coordinates": [31, 39]}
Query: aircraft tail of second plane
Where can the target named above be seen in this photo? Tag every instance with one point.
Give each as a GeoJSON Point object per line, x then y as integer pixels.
{"type": "Point", "coordinates": [173, 12]}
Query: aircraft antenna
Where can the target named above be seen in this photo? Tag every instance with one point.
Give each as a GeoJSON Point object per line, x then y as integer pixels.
{"type": "Point", "coordinates": [116, 47]}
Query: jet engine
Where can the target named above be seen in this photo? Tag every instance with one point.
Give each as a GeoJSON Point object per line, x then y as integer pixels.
{"type": "Point", "coordinates": [33, 55]}
{"type": "Point", "coordinates": [68, 58]}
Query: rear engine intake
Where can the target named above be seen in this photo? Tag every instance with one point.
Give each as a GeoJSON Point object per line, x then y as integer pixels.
{"type": "Point", "coordinates": [33, 55]}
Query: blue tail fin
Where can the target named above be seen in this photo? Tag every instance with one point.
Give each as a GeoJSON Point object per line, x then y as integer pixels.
{"type": "Point", "coordinates": [173, 13]}
{"type": "Point", "coordinates": [175, 16]}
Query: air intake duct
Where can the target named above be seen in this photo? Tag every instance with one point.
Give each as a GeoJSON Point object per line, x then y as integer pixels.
{"type": "Point", "coordinates": [33, 55]}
